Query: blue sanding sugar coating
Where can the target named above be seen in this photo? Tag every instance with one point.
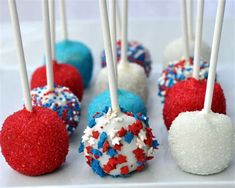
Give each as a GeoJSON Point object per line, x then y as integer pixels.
{"type": "Point", "coordinates": [77, 54]}
{"type": "Point", "coordinates": [126, 99]}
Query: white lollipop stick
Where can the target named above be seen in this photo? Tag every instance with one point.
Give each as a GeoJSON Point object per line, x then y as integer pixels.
{"type": "Point", "coordinates": [52, 27]}
{"type": "Point", "coordinates": [190, 18]}
{"type": "Point", "coordinates": [20, 55]}
{"type": "Point", "coordinates": [214, 55]}
{"type": "Point", "coordinates": [113, 33]}
{"type": "Point", "coordinates": [63, 20]}
{"type": "Point", "coordinates": [198, 39]}
{"type": "Point", "coordinates": [184, 29]}
{"type": "Point", "coordinates": [119, 24]}
{"type": "Point", "coordinates": [49, 66]}
{"type": "Point", "coordinates": [124, 32]}
{"type": "Point", "coordinates": [108, 51]}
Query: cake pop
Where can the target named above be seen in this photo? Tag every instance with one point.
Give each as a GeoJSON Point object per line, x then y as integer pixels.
{"type": "Point", "coordinates": [178, 71]}
{"type": "Point", "coordinates": [34, 140]}
{"type": "Point", "coordinates": [137, 84]}
{"type": "Point", "coordinates": [189, 95]}
{"type": "Point", "coordinates": [64, 75]}
{"type": "Point", "coordinates": [61, 100]}
{"type": "Point", "coordinates": [116, 142]}
{"type": "Point", "coordinates": [127, 100]}
{"type": "Point", "coordinates": [136, 53]}
{"type": "Point", "coordinates": [174, 50]}
{"type": "Point", "coordinates": [57, 98]}
{"type": "Point", "coordinates": [202, 142]}
{"type": "Point", "coordinates": [73, 52]}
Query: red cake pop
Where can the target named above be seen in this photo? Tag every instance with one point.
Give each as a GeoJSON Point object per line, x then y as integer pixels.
{"type": "Point", "coordinates": [34, 140]}
{"type": "Point", "coordinates": [34, 143]}
{"type": "Point", "coordinates": [189, 95]}
{"type": "Point", "coordinates": [64, 75]}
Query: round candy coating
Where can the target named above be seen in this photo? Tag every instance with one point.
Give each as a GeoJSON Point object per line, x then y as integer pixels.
{"type": "Point", "coordinates": [64, 75]}
{"type": "Point", "coordinates": [189, 95]}
{"type": "Point", "coordinates": [202, 143]}
{"type": "Point", "coordinates": [131, 77]}
{"type": "Point", "coordinates": [34, 143]}
{"type": "Point", "coordinates": [177, 71]}
{"type": "Point", "coordinates": [117, 144]}
{"type": "Point", "coordinates": [174, 51]}
{"type": "Point", "coordinates": [126, 99]}
{"type": "Point", "coordinates": [61, 100]}
{"type": "Point", "coordinates": [137, 53]}
{"type": "Point", "coordinates": [77, 54]}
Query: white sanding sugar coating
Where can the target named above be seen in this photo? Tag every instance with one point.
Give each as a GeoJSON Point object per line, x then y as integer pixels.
{"type": "Point", "coordinates": [174, 51]}
{"type": "Point", "coordinates": [118, 143]}
{"type": "Point", "coordinates": [202, 143]}
{"type": "Point", "coordinates": [131, 77]}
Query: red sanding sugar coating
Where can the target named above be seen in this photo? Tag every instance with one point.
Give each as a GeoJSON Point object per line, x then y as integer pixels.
{"type": "Point", "coordinates": [64, 75]}
{"type": "Point", "coordinates": [189, 95]}
{"type": "Point", "coordinates": [34, 143]}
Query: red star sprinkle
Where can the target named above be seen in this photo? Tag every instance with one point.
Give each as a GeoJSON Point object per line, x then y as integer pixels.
{"type": "Point", "coordinates": [89, 159]}
{"type": "Point", "coordinates": [118, 147]}
{"type": "Point", "coordinates": [124, 170]}
{"type": "Point", "coordinates": [105, 146]}
{"type": "Point", "coordinates": [95, 134]}
{"type": "Point", "coordinates": [121, 159]}
{"type": "Point", "coordinates": [121, 132]}
{"type": "Point", "coordinates": [136, 127]}
{"type": "Point", "coordinates": [88, 149]}
{"type": "Point", "coordinates": [139, 168]}
{"type": "Point", "coordinates": [139, 154]}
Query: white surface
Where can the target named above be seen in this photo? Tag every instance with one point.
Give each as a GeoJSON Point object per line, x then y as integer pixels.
{"type": "Point", "coordinates": [161, 171]}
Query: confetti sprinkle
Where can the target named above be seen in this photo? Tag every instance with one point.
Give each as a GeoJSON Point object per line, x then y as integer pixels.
{"type": "Point", "coordinates": [178, 71]}
{"type": "Point", "coordinates": [118, 144]}
{"type": "Point", "coordinates": [61, 100]}
{"type": "Point", "coordinates": [137, 53]}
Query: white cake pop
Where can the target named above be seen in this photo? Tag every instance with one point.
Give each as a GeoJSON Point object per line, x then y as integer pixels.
{"type": "Point", "coordinates": [118, 143]}
{"type": "Point", "coordinates": [131, 76]}
{"type": "Point", "coordinates": [202, 142]}
{"type": "Point", "coordinates": [174, 51]}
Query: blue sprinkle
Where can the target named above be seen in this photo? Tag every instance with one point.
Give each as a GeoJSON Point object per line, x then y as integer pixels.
{"type": "Point", "coordinates": [96, 152]}
{"type": "Point", "coordinates": [95, 165]}
{"type": "Point", "coordinates": [111, 152]}
{"type": "Point", "coordinates": [91, 123]}
{"type": "Point", "coordinates": [81, 147]}
{"type": "Point", "coordinates": [139, 163]}
{"type": "Point", "coordinates": [103, 138]}
{"type": "Point", "coordinates": [106, 109]}
{"type": "Point", "coordinates": [155, 144]}
{"type": "Point", "coordinates": [128, 137]}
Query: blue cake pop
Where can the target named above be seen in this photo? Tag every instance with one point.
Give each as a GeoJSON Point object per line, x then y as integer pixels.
{"type": "Point", "coordinates": [126, 99]}
{"type": "Point", "coordinates": [77, 54]}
